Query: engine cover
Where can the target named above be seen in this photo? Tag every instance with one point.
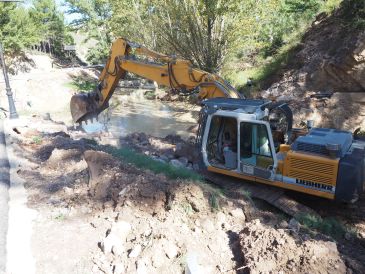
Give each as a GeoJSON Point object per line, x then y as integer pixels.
{"type": "Point", "coordinates": [324, 141]}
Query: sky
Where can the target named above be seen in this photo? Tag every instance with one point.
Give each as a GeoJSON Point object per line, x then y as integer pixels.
{"type": "Point", "coordinates": [68, 17]}
{"type": "Point", "coordinates": [61, 6]}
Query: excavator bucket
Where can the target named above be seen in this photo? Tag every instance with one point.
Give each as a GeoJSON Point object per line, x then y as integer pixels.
{"type": "Point", "coordinates": [83, 107]}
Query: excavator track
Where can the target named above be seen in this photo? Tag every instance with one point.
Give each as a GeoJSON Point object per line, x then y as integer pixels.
{"type": "Point", "coordinates": [272, 195]}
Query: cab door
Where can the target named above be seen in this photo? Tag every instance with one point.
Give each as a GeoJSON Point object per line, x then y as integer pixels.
{"type": "Point", "coordinates": [256, 149]}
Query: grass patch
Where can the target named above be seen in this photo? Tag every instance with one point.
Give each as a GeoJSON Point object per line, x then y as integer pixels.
{"type": "Point", "coordinates": [329, 226]}
{"type": "Point", "coordinates": [214, 198]}
{"type": "Point", "coordinates": [37, 140]}
{"type": "Point", "coordinates": [60, 217]}
{"type": "Point", "coordinates": [269, 68]}
{"type": "Point", "coordinates": [128, 155]}
{"type": "Point", "coordinates": [82, 83]}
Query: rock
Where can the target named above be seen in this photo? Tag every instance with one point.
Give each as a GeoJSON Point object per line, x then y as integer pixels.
{"type": "Point", "coordinates": [116, 238]}
{"type": "Point", "coordinates": [361, 235]}
{"type": "Point", "coordinates": [135, 251]}
{"type": "Point", "coordinates": [192, 266]}
{"type": "Point", "coordinates": [119, 268]}
{"type": "Point", "coordinates": [349, 236]}
{"type": "Point", "coordinates": [141, 267]}
{"type": "Point", "coordinates": [283, 224]}
{"type": "Point", "coordinates": [164, 157]}
{"type": "Point", "coordinates": [176, 163]}
{"type": "Point", "coordinates": [196, 167]}
{"type": "Point", "coordinates": [158, 259]}
{"type": "Point", "coordinates": [102, 173]}
{"type": "Point", "coordinates": [46, 117]}
{"type": "Point", "coordinates": [171, 250]}
{"type": "Point", "coordinates": [294, 225]}
{"type": "Point", "coordinates": [238, 213]}
{"type": "Point", "coordinates": [208, 225]}
{"type": "Point", "coordinates": [184, 161]}
{"type": "Point", "coordinates": [109, 242]}
{"type": "Point", "coordinates": [68, 190]}
{"type": "Point", "coordinates": [147, 233]}
{"type": "Point", "coordinates": [221, 219]}
{"type": "Point", "coordinates": [184, 150]}
{"type": "Point", "coordinates": [284, 98]}
{"type": "Point", "coordinates": [158, 159]}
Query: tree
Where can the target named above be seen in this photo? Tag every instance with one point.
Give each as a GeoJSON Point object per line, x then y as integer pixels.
{"type": "Point", "coordinates": [17, 30]}
{"type": "Point", "coordinates": [50, 25]}
{"type": "Point", "coordinates": [93, 18]}
{"type": "Point", "coordinates": [198, 30]}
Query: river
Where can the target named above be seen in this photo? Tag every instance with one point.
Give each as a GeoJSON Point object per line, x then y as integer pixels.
{"type": "Point", "coordinates": [132, 112]}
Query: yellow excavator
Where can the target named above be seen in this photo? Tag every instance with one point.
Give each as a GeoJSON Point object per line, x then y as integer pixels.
{"type": "Point", "coordinates": [244, 138]}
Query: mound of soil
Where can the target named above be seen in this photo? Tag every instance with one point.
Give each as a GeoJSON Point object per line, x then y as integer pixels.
{"type": "Point", "coordinates": [274, 250]}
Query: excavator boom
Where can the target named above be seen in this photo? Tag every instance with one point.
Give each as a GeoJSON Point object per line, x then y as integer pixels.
{"type": "Point", "coordinates": [176, 74]}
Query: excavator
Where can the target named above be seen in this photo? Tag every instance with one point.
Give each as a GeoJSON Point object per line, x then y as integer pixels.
{"type": "Point", "coordinates": [250, 139]}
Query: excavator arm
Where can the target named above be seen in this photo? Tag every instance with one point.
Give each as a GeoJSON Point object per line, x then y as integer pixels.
{"type": "Point", "coordinates": [177, 74]}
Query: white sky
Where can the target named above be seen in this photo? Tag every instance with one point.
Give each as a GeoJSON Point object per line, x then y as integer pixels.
{"type": "Point", "coordinates": [61, 7]}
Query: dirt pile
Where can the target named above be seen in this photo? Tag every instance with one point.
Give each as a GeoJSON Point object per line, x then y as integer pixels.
{"type": "Point", "coordinates": [330, 58]}
{"type": "Point", "coordinates": [136, 220]}
{"type": "Point", "coordinates": [274, 250]}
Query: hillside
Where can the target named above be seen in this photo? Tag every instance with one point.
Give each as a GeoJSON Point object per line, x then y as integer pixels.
{"type": "Point", "coordinates": [325, 73]}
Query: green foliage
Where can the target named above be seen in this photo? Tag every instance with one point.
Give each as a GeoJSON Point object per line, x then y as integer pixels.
{"type": "Point", "coordinates": [16, 28]}
{"type": "Point", "coordinates": [302, 6]}
{"type": "Point", "coordinates": [98, 54]}
{"type": "Point", "coordinates": [22, 27]}
{"type": "Point", "coordinates": [93, 17]}
{"type": "Point", "coordinates": [37, 140]}
{"type": "Point", "coordinates": [83, 82]}
{"type": "Point", "coordinates": [214, 201]}
{"type": "Point", "coordinates": [50, 24]}
{"type": "Point", "coordinates": [143, 161]}
{"type": "Point", "coordinates": [197, 30]}
{"type": "Point", "coordinates": [330, 5]}
{"type": "Point", "coordinates": [329, 226]}
{"type": "Point", "coordinates": [215, 35]}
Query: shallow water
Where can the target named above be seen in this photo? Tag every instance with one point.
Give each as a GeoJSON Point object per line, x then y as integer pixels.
{"type": "Point", "coordinates": [133, 113]}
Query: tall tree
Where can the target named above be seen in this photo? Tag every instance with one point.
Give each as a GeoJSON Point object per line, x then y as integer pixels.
{"type": "Point", "coordinates": [197, 30]}
{"type": "Point", "coordinates": [17, 30]}
{"type": "Point", "coordinates": [92, 16]}
{"type": "Point", "coordinates": [50, 24]}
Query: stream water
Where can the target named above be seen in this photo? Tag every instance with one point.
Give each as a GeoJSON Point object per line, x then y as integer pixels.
{"type": "Point", "coordinates": [134, 113]}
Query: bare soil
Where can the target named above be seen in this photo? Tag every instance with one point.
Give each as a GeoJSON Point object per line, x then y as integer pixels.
{"type": "Point", "coordinates": [98, 214]}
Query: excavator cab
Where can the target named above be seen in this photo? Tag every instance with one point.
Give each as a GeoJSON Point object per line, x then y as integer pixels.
{"type": "Point", "coordinates": [238, 139]}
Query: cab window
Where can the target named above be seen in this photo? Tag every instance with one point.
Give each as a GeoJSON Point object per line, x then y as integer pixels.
{"type": "Point", "coordinates": [255, 145]}
{"type": "Point", "coordinates": [222, 142]}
